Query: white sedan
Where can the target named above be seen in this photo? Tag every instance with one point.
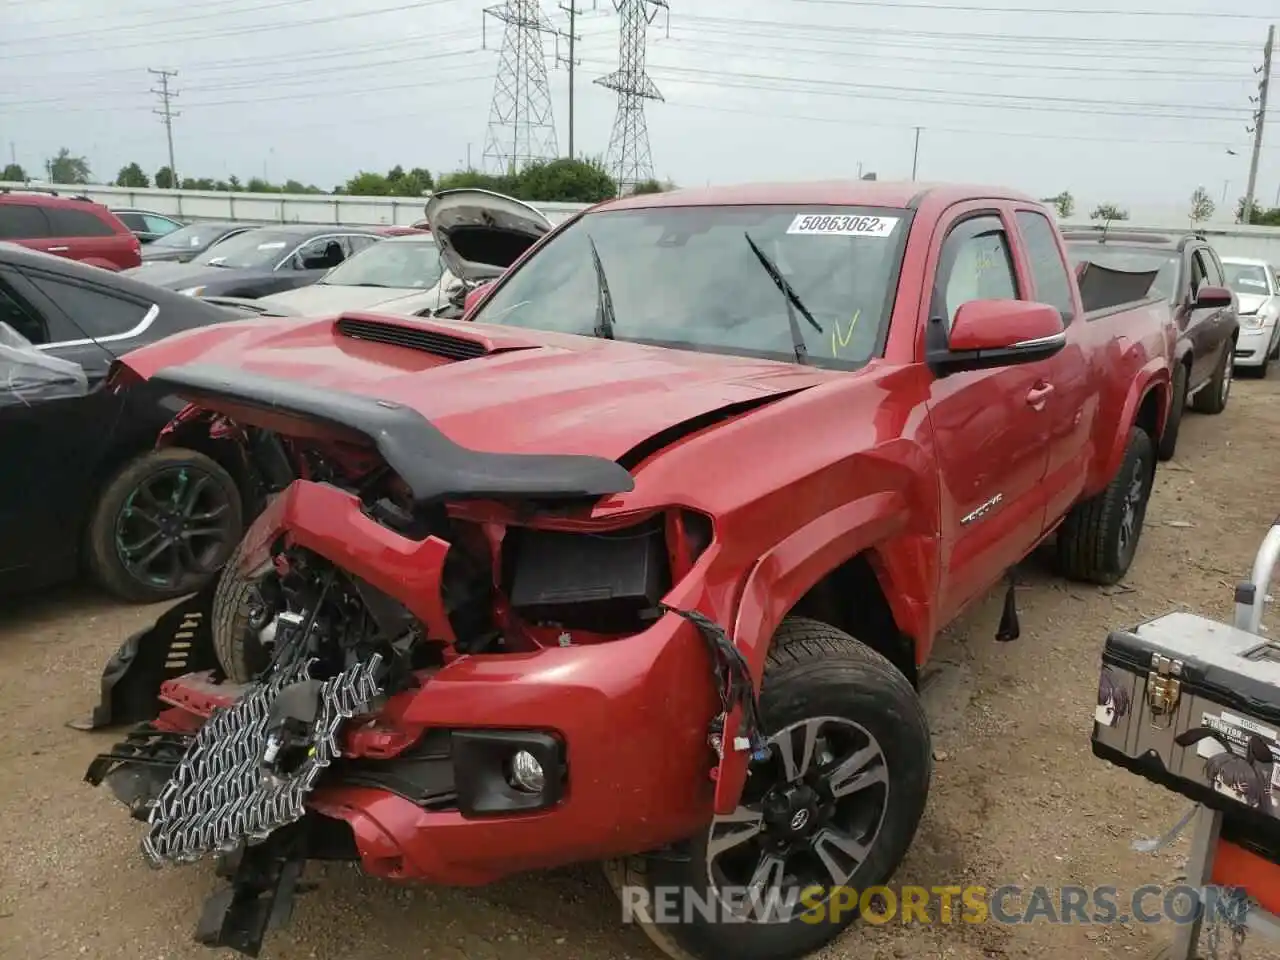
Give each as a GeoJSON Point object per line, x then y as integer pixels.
{"type": "Point", "coordinates": [1254, 283]}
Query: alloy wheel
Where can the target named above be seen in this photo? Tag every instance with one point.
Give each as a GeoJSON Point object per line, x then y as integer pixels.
{"type": "Point", "coordinates": [176, 522]}
{"type": "Point", "coordinates": [809, 817]}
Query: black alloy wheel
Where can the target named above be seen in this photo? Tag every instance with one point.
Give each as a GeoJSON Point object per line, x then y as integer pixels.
{"type": "Point", "coordinates": [165, 525]}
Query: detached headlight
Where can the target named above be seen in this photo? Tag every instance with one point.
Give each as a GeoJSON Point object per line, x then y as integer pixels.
{"type": "Point", "coordinates": [192, 291]}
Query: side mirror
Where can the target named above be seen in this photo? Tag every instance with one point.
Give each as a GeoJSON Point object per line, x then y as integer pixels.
{"type": "Point", "coordinates": [999, 333]}
{"type": "Point", "coordinates": [474, 296]}
{"type": "Point", "coordinates": [1213, 297]}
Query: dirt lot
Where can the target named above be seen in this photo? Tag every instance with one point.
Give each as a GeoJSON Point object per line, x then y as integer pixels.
{"type": "Point", "coordinates": [1017, 796]}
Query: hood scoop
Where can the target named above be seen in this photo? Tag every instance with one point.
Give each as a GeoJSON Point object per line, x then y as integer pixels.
{"type": "Point", "coordinates": [421, 338]}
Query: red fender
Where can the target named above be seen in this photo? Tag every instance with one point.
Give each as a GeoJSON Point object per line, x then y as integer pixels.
{"type": "Point", "coordinates": [787, 572]}
{"type": "Point", "coordinates": [1153, 376]}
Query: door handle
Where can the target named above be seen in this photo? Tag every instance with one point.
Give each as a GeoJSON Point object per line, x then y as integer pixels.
{"type": "Point", "coordinates": [1037, 395]}
{"type": "Point", "coordinates": [57, 249]}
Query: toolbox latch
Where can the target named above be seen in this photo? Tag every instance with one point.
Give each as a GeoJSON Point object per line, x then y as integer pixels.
{"type": "Point", "coordinates": [1164, 689]}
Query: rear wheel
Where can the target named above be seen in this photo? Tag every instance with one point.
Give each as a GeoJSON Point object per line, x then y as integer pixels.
{"type": "Point", "coordinates": [1169, 439]}
{"type": "Point", "coordinates": [1099, 537]}
{"type": "Point", "coordinates": [830, 814]}
{"type": "Point", "coordinates": [163, 526]}
{"type": "Point", "coordinates": [1212, 397]}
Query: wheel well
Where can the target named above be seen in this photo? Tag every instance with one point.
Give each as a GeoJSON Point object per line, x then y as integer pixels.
{"type": "Point", "coordinates": [851, 599]}
{"type": "Point", "coordinates": [226, 453]}
{"type": "Point", "coordinates": [1149, 412]}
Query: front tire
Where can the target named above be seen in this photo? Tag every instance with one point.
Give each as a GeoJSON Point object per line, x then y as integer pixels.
{"type": "Point", "coordinates": [837, 805]}
{"type": "Point", "coordinates": [163, 526]}
{"type": "Point", "coordinates": [1099, 537]}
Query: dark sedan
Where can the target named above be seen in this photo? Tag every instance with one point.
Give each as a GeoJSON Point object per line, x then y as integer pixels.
{"type": "Point", "coordinates": [262, 261]}
{"type": "Point", "coordinates": [83, 487]}
{"type": "Point", "coordinates": [186, 243]}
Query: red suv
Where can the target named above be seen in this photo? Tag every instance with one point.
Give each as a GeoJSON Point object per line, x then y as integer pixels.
{"type": "Point", "coordinates": [72, 227]}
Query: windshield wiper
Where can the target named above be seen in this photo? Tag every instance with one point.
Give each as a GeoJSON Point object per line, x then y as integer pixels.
{"type": "Point", "coordinates": [792, 300]}
{"type": "Point", "coordinates": [604, 302]}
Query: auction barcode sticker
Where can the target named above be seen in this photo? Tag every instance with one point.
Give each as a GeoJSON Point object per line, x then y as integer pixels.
{"type": "Point", "coordinates": [842, 226]}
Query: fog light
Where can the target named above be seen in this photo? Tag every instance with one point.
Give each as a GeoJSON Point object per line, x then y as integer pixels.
{"type": "Point", "coordinates": [526, 772]}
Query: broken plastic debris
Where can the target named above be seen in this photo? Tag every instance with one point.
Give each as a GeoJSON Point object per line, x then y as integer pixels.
{"type": "Point", "coordinates": [1151, 845]}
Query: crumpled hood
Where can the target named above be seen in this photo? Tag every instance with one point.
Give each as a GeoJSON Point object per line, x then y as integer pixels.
{"type": "Point", "coordinates": [1250, 302]}
{"type": "Point", "coordinates": [534, 392]}
{"type": "Point", "coordinates": [324, 298]}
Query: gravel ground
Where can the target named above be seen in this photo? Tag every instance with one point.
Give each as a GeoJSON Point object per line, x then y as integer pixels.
{"type": "Point", "coordinates": [1017, 796]}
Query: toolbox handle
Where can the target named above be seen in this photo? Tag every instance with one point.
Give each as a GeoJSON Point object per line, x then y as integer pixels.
{"type": "Point", "coordinates": [1251, 594]}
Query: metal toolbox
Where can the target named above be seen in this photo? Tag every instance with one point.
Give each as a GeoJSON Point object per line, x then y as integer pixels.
{"type": "Point", "coordinates": [1194, 705]}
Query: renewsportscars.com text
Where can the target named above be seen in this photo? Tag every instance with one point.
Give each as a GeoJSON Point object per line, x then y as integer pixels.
{"type": "Point", "coordinates": [1010, 904]}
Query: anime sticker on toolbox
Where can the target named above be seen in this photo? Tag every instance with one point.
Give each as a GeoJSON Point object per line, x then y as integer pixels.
{"type": "Point", "coordinates": [1239, 759]}
{"type": "Point", "coordinates": [1113, 699]}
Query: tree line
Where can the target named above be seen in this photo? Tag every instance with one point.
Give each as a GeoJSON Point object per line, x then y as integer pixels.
{"type": "Point", "coordinates": [562, 180]}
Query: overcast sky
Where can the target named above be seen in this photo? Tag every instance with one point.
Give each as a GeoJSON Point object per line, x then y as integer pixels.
{"type": "Point", "coordinates": [1118, 105]}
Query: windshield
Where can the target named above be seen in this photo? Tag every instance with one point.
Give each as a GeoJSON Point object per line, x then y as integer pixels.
{"type": "Point", "coordinates": [1247, 278]}
{"type": "Point", "coordinates": [1131, 260]}
{"type": "Point", "coordinates": [253, 248]}
{"type": "Point", "coordinates": [688, 277]}
{"type": "Point", "coordinates": [407, 264]}
{"type": "Point", "coordinates": [191, 237]}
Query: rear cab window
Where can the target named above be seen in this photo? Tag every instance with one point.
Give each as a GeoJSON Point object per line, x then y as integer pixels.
{"type": "Point", "coordinates": [1044, 258]}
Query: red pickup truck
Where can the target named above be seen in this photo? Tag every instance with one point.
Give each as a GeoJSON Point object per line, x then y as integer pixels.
{"type": "Point", "coordinates": [638, 563]}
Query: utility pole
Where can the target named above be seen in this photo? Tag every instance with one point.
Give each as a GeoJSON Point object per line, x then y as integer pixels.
{"type": "Point", "coordinates": [1259, 119]}
{"type": "Point", "coordinates": [165, 95]}
{"type": "Point", "coordinates": [915, 154]}
{"type": "Point", "coordinates": [572, 36]}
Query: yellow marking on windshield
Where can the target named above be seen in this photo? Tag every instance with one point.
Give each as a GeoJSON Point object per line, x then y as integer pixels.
{"type": "Point", "coordinates": [838, 339]}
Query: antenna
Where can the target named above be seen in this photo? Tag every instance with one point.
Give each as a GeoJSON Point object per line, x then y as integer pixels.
{"type": "Point", "coordinates": [521, 123]}
{"type": "Point", "coordinates": [629, 158]}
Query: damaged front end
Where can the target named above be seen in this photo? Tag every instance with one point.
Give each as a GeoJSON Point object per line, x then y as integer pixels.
{"type": "Point", "coordinates": [445, 665]}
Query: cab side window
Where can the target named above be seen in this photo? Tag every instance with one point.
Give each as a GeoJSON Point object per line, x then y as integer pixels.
{"type": "Point", "coordinates": [975, 264]}
{"type": "Point", "coordinates": [1047, 268]}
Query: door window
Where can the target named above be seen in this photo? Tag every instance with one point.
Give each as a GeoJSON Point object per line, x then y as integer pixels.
{"type": "Point", "coordinates": [319, 254]}
{"type": "Point", "coordinates": [975, 265]}
{"type": "Point", "coordinates": [65, 222]}
{"type": "Point", "coordinates": [22, 221]}
{"type": "Point", "coordinates": [359, 241]}
{"type": "Point", "coordinates": [159, 225]}
{"type": "Point", "coordinates": [1212, 268]}
{"type": "Point", "coordinates": [94, 310]}
{"type": "Point", "coordinates": [1047, 269]}
{"type": "Point", "coordinates": [134, 221]}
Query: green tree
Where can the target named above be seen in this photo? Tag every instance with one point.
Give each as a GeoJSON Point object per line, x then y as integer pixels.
{"type": "Point", "coordinates": [164, 179]}
{"type": "Point", "coordinates": [259, 185]}
{"type": "Point", "coordinates": [476, 180]}
{"type": "Point", "coordinates": [1064, 202]}
{"type": "Point", "coordinates": [365, 184]}
{"type": "Point", "coordinates": [295, 186]}
{"type": "Point", "coordinates": [131, 175]}
{"type": "Point", "coordinates": [233, 182]}
{"type": "Point", "coordinates": [198, 183]}
{"type": "Point", "coordinates": [64, 168]}
{"type": "Point", "coordinates": [649, 186]}
{"type": "Point", "coordinates": [13, 173]}
{"type": "Point", "coordinates": [565, 181]}
{"type": "Point", "coordinates": [1202, 205]}
{"type": "Point", "coordinates": [1109, 211]}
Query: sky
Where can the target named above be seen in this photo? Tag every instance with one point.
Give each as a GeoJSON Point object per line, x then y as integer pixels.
{"type": "Point", "coordinates": [1136, 103]}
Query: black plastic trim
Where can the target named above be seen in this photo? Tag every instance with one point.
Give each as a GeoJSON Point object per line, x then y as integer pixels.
{"type": "Point", "coordinates": [480, 758]}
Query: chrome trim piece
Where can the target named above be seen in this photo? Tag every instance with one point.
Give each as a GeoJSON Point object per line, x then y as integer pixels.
{"type": "Point", "coordinates": [137, 331]}
{"type": "Point", "coordinates": [982, 510]}
{"type": "Point", "coordinates": [1048, 341]}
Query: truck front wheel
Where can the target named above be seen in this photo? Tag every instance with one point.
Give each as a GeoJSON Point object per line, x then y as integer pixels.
{"type": "Point", "coordinates": [827, 816]}
{"type": "Point", "coordinates": [1099, 537]}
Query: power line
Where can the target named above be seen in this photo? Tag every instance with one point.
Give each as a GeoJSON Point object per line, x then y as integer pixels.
{"type": "Point", "coordinates": [165, 95]}
{"type": "Point", "coordinates": [1016, 101]}
{"type": "Point", "coordinates": [158, 23]}
{"type": "Point", "coordinates": [1075, 12]}
{"type": "Point", "coordinates": [222, 34]}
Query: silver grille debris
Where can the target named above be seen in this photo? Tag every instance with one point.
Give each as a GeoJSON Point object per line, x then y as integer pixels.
{"type": "Point", "coordinates": [220, 795]}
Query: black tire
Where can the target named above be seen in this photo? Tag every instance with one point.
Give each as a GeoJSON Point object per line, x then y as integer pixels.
{"type": "Point", "coordinates": [1093, 545]}
{"type": "Point", "coordinates": [237, 609]}
{"type": "Point", "coordinates": [813, 671]}
{"type": "Point", "coordinates": [1212, 397]}
{"type": "Point", "coordinates": [105, 551]}
{"type": "Point", "coordinates": [1169, 439]}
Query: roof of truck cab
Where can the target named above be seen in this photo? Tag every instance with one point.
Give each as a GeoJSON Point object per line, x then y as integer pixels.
{"type": "Point", "coordinates": [903, 194]}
